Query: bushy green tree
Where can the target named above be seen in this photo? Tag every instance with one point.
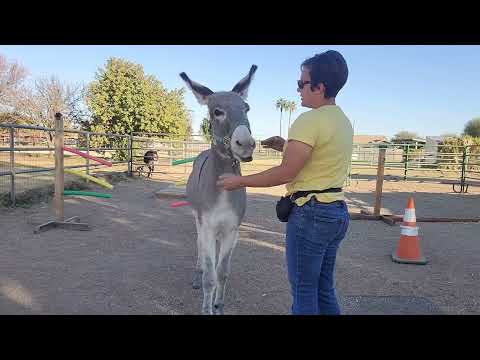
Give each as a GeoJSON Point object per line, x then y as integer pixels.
{"type": "Point", "coordinates": [123, 99]}
{"type": "Point", "coordinates": [472, 128]}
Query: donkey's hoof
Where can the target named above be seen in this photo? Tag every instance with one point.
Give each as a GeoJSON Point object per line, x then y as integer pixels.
{"type": "Point", "coordinates": [197, 280]}
{"type": "Point", "coordinates": [218, 309]}
{"type": "Point", "coordinates": [206, 312]}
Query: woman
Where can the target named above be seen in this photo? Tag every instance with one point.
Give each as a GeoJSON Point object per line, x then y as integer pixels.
{"type": "Point", "coordinates": [314, 167]}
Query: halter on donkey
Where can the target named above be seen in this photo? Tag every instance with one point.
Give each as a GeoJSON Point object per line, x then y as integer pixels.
{"type": "Point", "coordinates": [218, 213]}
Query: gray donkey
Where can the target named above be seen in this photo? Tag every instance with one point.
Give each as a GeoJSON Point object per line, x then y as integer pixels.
{"type": "Point", "coordinates": [218, 213]}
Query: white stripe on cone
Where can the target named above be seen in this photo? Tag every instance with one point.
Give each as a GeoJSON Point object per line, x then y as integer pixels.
{"type": "Point", "coordinates": [409, 215]}
{"type": "Point", "coordinates": [409, 230]}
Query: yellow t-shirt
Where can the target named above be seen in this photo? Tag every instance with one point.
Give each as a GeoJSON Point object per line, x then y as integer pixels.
{"type": "Point", "coordinates": [330, 133]}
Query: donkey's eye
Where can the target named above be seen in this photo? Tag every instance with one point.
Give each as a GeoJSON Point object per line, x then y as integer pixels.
{"type": "Point", "coordinates": [218, 112]}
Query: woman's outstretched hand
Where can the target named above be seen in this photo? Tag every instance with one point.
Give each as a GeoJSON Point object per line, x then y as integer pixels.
{"type": "Point", "coordinates": [274, 142]}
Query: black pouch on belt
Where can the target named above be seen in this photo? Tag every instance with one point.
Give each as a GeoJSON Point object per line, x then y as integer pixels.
{"type": "Point", "coordinates": [284, 207]}
{"type": "Point", "coordinates": [285, 204]}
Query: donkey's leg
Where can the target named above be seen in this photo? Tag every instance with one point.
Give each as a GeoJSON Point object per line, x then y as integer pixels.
{"type": "Point", "coordinates": [223, 268]}
{"type": "Point", "coordinates": [197, 275]}
{"type": "Point", "coordinates": [209, 276]}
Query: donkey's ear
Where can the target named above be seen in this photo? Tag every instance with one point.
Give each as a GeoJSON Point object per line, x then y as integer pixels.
{"type": "Point", "coordinates": [242, 86]}
{"type": "Point", "coordinates": [201, 92]}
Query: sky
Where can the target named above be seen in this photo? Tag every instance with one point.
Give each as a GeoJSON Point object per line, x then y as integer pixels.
{"type": "Point", "coordinates": [431, 90]}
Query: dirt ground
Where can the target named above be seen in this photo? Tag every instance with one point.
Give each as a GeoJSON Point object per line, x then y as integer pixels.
{"type": "Point", "coordinates": [139, 255]}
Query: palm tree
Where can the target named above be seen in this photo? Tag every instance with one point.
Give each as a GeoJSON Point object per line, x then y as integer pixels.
{"type": "Point", "coordinates": [281, 105]}
{"type": "Point", "coordinates": [292, 107]}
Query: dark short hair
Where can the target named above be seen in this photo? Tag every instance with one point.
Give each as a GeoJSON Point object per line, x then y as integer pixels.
{"type": "Point", "coordinates": [329, 68]}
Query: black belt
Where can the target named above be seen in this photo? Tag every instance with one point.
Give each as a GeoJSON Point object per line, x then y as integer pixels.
{"type": "Point", "coordinates": [300, 194]}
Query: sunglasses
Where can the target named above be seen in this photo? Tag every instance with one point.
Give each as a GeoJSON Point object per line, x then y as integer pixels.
{"type": "Point", "coordinates": [301, 83]}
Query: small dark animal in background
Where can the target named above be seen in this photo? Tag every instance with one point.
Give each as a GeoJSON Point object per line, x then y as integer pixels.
{"type": "Point", "coordinates": [149, 158]}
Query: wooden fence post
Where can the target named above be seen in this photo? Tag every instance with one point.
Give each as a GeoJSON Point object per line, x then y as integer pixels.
{"type": "Point", "coordinates": [60, 222]}
{"type": "Point", "coordinates": [59, 171]}
{"type": "Point", "coordinates": [379, 186]}
{"type": "Point", "coordinates": [87, 160]}
{"type": "Point", "coordinates": [12, 166]}
{"type": "Point", "coordinates": [130, 155]}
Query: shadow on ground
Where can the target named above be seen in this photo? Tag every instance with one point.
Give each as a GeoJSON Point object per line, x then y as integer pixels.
{"type": "Point", "coordinates": [140, 254]}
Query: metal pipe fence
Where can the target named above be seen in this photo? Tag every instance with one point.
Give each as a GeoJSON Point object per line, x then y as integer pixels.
{"type": "Point", "coordinates": [27, 161]}
{"type": "Point", "coordinates": [27, 157]}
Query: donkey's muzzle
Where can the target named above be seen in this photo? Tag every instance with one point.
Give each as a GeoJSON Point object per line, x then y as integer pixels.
{"type": "Point", "coordinates": [247, 159]}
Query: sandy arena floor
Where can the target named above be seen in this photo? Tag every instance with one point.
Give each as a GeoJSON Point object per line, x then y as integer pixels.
{"type": "Point", "coordinates": [139, 256]}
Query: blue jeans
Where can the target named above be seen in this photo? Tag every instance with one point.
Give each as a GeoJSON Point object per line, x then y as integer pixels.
{"type": "Point", "coordinates": [314, 232]}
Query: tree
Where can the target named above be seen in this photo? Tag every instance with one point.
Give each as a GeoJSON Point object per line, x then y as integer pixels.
{"type": "Point", "coordinates": [205, 129]}
{"type": "Point", "coordinates": [472, 128]}
{"type": "Point", "coordinates": [405, 135]}
{"type": "Point", "coordinates": [12, 76]}
{"type": "Point", "coordinates": [281, 105]}
{"type": "Point", "coordinates": [51, 96]}
{"type": "Point", "coordinates": [292, 107]}
{"type": "Point", "coordinates": [37, 105]}
{"type": "Point", "coordinates": [48, 96]}
{"type": "Point", "coordinates": [123, 99]}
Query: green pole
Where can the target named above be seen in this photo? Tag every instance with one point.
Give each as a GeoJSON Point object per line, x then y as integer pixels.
{"type": "Point", "coordinates": [183, 161]}
{"type": "Point", "coordinates": [87, 193]}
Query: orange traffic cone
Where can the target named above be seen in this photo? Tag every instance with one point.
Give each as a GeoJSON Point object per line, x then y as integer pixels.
{"type": "Point", "coordinates": [408, 251]}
